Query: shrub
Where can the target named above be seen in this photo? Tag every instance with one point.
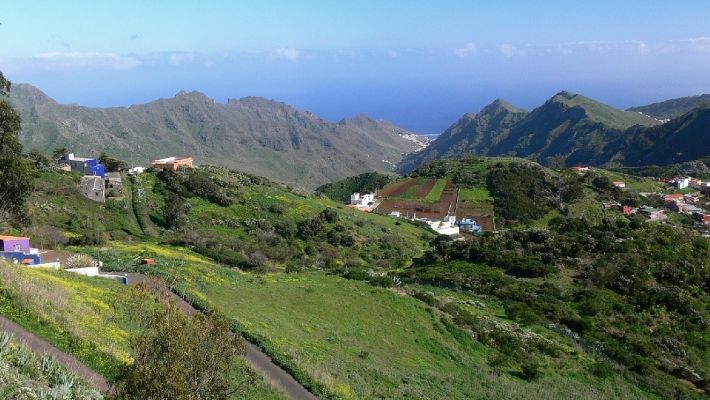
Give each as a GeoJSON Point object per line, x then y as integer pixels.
{"type": "Point", "coordinates": [530, 370]}
{"type": "Point", "coordinates": [80, 261]}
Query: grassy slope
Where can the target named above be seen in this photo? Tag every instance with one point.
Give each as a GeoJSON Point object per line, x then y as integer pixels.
{"type": "Point", "coordinates": [308, 318]}
{"type": "Point", "coordinates": [366, 342]}
{"type": "Point", "coordinates": [605, 114]}
{"type": "Point", "coordinates": [90, 318]}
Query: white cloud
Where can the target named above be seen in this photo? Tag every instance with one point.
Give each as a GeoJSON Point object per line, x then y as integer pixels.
{"type": "Point", "coordinates": [466, 50]}
{"type": "Point", "coordinates": [178, 59]}
{"type": "Point", "coordinates": [288, 53]}
{"type": "Point", "coordinates": [73, 61]}
{"type": "Point", "coordinates": [698, 44]}
{"type": "Point", "coordinates": [508, 50]}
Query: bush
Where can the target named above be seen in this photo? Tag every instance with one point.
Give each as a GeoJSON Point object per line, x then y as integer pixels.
{"type": "Point", "coordinates": [530, 370]}
{"type": "Point", "coordinates": [80, 261]}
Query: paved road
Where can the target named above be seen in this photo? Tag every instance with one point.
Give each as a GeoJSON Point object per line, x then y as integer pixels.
{"type": "Point", "coordinates": [40, 346]}
{"type": "Point", "coordinates": [258, 360]}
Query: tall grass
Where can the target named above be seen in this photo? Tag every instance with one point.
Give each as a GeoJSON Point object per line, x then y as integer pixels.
{"type": "Point", "coordinates": [25, 375]}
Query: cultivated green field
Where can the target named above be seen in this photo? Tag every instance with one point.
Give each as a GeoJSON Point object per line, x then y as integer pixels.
{"type": "Point", "coordinates": [476, 195]}
{"type": "Point", "coordinates": [434, 194]}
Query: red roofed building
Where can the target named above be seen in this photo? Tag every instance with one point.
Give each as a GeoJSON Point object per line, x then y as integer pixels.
{"type": "Point", "coordinates": [172, 163]}
{"type": "Point", "coordinates": [628, 210]}
{"type": "Point", "coordinates": [673, 197]}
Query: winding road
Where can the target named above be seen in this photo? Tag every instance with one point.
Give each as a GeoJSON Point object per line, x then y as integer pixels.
{"type": "Point", "coordinates": [41, 346]}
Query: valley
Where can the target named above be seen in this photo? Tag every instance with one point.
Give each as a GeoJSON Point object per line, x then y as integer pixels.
{"type": "Point", "coordinates": [578, 280]}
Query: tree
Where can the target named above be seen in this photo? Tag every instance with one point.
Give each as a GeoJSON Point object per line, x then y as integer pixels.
{"type": "Point", "coordinates": [178, 357]}
{"type": "Point", "coordinates": [112, 164]}
{"type": "Point", "coordinates": [15, 171]}
{"type": "Point", "coordinates": [176, 211]}
{"type": "Point", "coordinates": [59, 153]}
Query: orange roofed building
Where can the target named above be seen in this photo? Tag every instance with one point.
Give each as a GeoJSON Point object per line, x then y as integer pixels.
{"type": "Point", "coordinates": [172, 163]}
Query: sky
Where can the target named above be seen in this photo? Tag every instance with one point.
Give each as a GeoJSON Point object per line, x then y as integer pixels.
{"type": "Point", "coordinates": [420, 64]}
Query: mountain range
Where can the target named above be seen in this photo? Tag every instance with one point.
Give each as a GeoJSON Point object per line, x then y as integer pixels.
{"type": "Point", "coordinates": [252, 134]}
{"type": "Point", "coordinates": [573, 129]}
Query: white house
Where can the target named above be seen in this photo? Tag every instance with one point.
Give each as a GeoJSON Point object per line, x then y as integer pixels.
{"type": "Point", "coordinates": [362, 200]}
{"type": "Point", "coordinates": [469, 225]}
{"type": "Point", "coordinates": [136, 170]}
{"type": "Point", "coordinates": [682, 182]}
{"type": "Point", "coordinates": [620, 184]}
{"type": "Point", "coordinates": [395, 214]}
{"type": "Point", "coordinates": [446, 227]}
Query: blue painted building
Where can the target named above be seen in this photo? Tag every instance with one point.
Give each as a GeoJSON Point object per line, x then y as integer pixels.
{"type": "Point", "coordinates": [87, 166]}
{"type": "Point", "coordinates": [17, 250]}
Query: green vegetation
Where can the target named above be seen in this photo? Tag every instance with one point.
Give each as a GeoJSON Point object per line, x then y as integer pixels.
{"type": "Point", "coordinates": [180, 357]}
{"type": "Point", "coordinates": [87, 317]}
{"type": "Point", "coordinates": [340, 191]}
{"type": "Point", "coordinates": [697, 169]}
{"type": "Point", "coordinates": [435, 194]}
{"type": "Point", "coordinates": [621, 286]}
{"type": "Point", "coordinates": [238, 222]}
{"type": "Point", "coordinates": [348, 339]}
{"type": "Point", "coordinates": [588, 304]}
{"type": "Point", "coordinates": [61, 214]}
{"type": "Point", "coordinates": [96, 319]}
{"type": "Point", "coordinates": [673, 108]}
{"type": "Point", "coordinates": [570, 129]}
{"type": "Point", "coordinates": [476, 195]}
{"type": "Point", "coordinates": [25, 375]}
{"type": "Point", "coordinates": [603, 113]}
{"type": "Point", "coordinates": [15, 171]}
{"type": "Point", "coordinates": [525, 192]}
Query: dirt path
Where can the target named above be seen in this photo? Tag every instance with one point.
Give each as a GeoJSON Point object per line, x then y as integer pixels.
{"type": "Point", "coordinates": [40, 346]}
{"type": "Point", "coordinates": [258, 360]}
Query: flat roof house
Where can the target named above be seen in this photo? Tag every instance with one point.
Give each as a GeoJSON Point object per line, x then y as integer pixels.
{"type": "Point", "coordinates": [172, 163]}
{"type": "Point", "coordinates": [93, 188]}
{"type": "Point", "coordinates": [17, 249]}
{"type": "Point", "coordinates": [87, 166]}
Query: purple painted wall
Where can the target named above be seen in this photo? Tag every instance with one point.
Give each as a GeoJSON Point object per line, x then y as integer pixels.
{"type": "Point", "coordinates": [11, 245]}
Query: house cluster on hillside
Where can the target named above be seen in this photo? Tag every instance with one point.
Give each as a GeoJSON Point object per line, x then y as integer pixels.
{"type": "Point", "coordinates": [694, 201]}
{"type": "Point", "coordinates": [97, 184]}
{"type": "Point", "coordinates": [95, 181]}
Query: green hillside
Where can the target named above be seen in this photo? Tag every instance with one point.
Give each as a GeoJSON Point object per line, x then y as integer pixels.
{"type": "Point", "coordinates": [571, 129]}
{"type": "Point", "coordinates": [673, 108]}
{"type": "Point", "coordinates": [472, 134]}
{"type": "Point", "coordinates": [602, 113]}
{"type": "Point", "coordinates": [360, 305]}
{"type": "Point", "coordinates": [341, 190]}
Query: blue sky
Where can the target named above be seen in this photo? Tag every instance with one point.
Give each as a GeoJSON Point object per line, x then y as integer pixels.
{"type": "Point", "coordinates": [420, 64]}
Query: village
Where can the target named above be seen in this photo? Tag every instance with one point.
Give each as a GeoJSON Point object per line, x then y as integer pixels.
{"type": "Point", "coordinates": [683, 195]}
{"type": "Point", "coordinates": [96, 184]}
